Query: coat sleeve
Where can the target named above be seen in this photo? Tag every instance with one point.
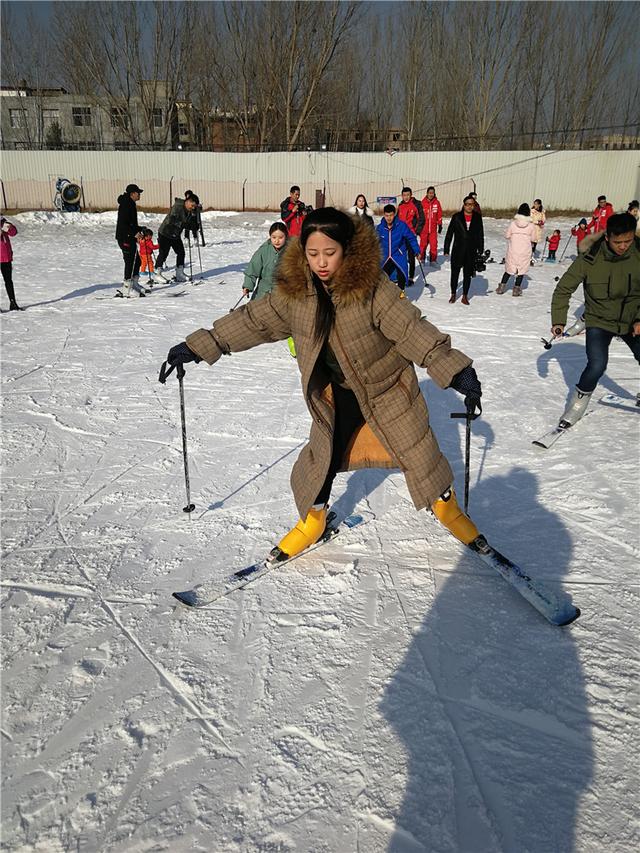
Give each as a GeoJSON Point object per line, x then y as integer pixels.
{"type": "Point", "coordinates": [421, 219]}
{"type": "Point", "coordinates": [287, 214]}
{"type": "Point", "coordinates": [262, 321]}
{"type": "Point", "coordinates": [254, 271]}
{"type": "Point", "coordinates": [410, 239]}
{"type": "Point", "coordinates": [439, 214]}
{"type": "Point", "coordinates": [448, 236]}
{"type": "Point", "coordinates": [414, 337]}
{"type": "Point", "coordinates": [567, 285]}
{"type": "Point", "coordinates": [12, 228]}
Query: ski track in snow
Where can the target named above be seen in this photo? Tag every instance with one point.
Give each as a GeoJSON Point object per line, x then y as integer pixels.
{"type": "Point", "coordinates": [387, 693]}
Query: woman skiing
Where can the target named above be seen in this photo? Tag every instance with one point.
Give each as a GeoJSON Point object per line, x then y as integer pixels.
{"type": "Point", "coordinates": [520, 234]}
{"type": "Point", "coordinates": [258, 276]}
{"type": "Point", "coordinates": [357, 344]}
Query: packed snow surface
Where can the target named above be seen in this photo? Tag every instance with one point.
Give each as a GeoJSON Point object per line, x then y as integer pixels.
{"type": "Point", "coordinates": [387, 692]}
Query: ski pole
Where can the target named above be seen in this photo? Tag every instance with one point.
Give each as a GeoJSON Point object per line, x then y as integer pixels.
{"type": "Point", "coordinates": [199, 255]}
{"type": "Point", "coordinates": [546, 241]}
{"type": "Point", "coordinates": [565, 246]}
{"type": "Point", "coordinates": [190, 263]}
{"type": "Point", "coordinates": [163, 378]}
{"type": "Point", "coordinates": [237, 303]}
{"type": "Point", "coordinates": [469, 415]}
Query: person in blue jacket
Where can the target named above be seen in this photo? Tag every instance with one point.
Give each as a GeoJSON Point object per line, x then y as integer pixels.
{"type": "Point", "coordinates": [395, 238]}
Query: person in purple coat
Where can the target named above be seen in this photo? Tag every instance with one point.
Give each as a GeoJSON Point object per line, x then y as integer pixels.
{"type": "Point", "coordinates": [395, 240]}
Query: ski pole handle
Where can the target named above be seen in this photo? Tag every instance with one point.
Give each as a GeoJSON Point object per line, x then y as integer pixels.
{"type": "Point", "coordinates": [164, 373]}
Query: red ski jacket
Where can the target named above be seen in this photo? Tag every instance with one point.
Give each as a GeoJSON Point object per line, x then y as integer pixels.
{"type": "Point", "coordinates": [432, 214]}
{"type": "Point", "coordinates": [601, 216]}
{"type": "Point", "coordinates": [554, 242]}
{"type": "Point", "coordinates": [147, 247]}
{"type": "Point", "coordinates": [411, 213]}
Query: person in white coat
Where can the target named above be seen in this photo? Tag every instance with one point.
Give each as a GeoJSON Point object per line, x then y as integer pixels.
{"type": "Point", "coordinates": [520, 238]}
{"type": "Point", "coordinates": [361, 208]}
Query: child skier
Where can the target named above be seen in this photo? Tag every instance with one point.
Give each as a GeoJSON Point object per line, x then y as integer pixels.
{"type": "Point", "coordinates": [554, 242]}
{"type": "Point", "coordinates": [146, 248]}
{"type": "Point", "coordinates": [580, 231]}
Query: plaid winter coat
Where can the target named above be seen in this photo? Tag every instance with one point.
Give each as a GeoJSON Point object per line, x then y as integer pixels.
{"type": "Point", "coordinates": [376, 337]}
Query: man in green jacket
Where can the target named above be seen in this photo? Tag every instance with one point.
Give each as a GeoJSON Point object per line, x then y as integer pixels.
{"type": "Point", "coordinates": [610, 273]}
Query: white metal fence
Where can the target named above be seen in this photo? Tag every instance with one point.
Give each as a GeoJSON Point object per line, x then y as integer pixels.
{"type": "Point", "coordinates": [569, 180]}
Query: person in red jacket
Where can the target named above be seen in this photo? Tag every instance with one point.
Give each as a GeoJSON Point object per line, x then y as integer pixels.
{"type": "Point", "coordinates": [554, 242]}
{"type": "Point", "coordinates": [8, 230]}
{"type": "Point", "coordinates": [293, 212]}
{"type": "Point", "coordinates": [411, 213]}
{"type": "Point", "coordinates": [146, 248]}
{"type": "Point", "coordinates": [432, 225]}
{"type": "Point", "coordinates": [601, 214]}
{"type": "Point", "coordinates": [580, 231]}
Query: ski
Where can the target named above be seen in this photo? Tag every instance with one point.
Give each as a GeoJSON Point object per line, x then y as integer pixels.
{"type": "Point", "coordinates": [204, 594]}
{"type": "Point", "coordinates": [549, 438]}
{"type": "Point", "coordinates": [631, 404]}
{"type": "Point", "coordinates": [557, 609]}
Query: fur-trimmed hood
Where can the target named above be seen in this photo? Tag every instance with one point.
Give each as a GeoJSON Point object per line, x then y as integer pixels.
{"type": "Point", "coordinates": [521, 220]}
{"type": "Point", "coordinates": [354, 282]}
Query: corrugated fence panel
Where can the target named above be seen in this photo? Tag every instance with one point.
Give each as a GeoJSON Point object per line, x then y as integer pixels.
{"type": "Point", "coordinates": [503, 179]}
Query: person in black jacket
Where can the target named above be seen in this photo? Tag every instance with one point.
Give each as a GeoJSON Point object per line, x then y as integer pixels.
{"type": "Point", "coordinates": [467, 233]}
{"type": "Point", "coordinates": [170, 233]}
{"type": "Point", "coordinates": [127, 232]}
{"type": "Point", "coordinates": [194, 223]}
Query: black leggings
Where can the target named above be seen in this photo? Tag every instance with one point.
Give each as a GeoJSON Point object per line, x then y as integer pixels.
{"type": "Point", "coordinates": [167, 243]}
{"type": "Point", "coordinates": [7, 270]}
{"type": "Point", "coordinates": [468, 269]}
{"type": "Point", "coordinates": [389, 268]}
{"type": "Point", "coordinates": [506, 277]}
{"type": "Point", "coordinates": [131, 259]}
{"type": "Point", "coordinates": [348, 419]}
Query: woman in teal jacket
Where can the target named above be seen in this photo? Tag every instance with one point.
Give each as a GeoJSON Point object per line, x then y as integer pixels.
{"type": "Point", "coordinates": [258, 277]}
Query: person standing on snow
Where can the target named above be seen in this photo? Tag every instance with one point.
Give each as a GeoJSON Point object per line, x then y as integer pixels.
{"type": "Point", "coordinates": [467, 232]}
{"type": "Point", "coordinates": [258, 276]}
{"type": "Point", "coordinates": [170, 233]}
{"type": "Point", "coordinates": [580, 231]}
{"type": "Point", "coordinates": [610, 273]}
{"type": "Point", "coordinates": [361, 208]}
{"type": "Point", "coordinates": [601, 214]}
{"type": "Point", "coordinates": [7, 231]}
{"type": "Point", "coordinates": [411, 213]}
{"type": "Point", "coordinates": [538, 217]}
{"type": "Point", "coordinates": [127, 233]}
{"type": "Point", "coordinates": [357, 346]}
{"type": "Point", "coordinates": [519, 236]}
{"type": "Point", "coordinates": [293, 211]}
{"type": "Point", "coordinates": [396, 241]}
{"type": "Point", "coordinates": [194, 223]}
{"type": "Point", "coordinates": [432, 225]}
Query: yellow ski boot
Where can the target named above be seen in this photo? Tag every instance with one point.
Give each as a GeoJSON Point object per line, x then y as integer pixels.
{"type": "Point", "coordinates": [304, 534]}
{"type": "Point", "coordinates": [448, 513]}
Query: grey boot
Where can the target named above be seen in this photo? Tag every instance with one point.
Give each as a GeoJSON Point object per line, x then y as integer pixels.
{"type": "Point", "coordinates": [180, 276]}
{"type": "Point", "coordinates": [576, 407]}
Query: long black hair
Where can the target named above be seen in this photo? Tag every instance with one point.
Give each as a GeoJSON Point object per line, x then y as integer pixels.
{"type": "Point", "coordinates": [339, 227]}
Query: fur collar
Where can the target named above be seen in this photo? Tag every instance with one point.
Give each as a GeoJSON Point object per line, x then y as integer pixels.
{"type": "Point", "coordinates": [354, 282]}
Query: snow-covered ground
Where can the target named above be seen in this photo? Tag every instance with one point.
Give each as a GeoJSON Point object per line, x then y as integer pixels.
{"type": "Point", "coordinates": [386, 693]}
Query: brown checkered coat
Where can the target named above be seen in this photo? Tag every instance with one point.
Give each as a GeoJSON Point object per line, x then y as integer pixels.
{"type": "Point", "coordinates": [377, 338]}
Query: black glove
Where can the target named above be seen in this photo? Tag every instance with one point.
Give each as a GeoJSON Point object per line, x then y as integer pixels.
{"type": "Point", "coordinates": [181, 354]}
{"type": "Point", "coordinates": [467, 383]}
{"type": "Point", "coordinates": [440, 228]}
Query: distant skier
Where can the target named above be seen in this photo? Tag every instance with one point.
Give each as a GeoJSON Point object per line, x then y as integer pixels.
{"type": "Point", "coordinates": [538, 217]}
{"type": "Point", "coordinates": [396, 241]}
{"type": "Point", "coordinates": [411, 212]}
{"type": "Point", "coordinates": [146, 248]}
{"type": "Point", "coordinates": [580, 231]}
{"type": "Point", "coordinates": [127, 233]}
{"type": "Point", "coordinates": [8, 230]}
{"type": "Point", "coordinates": [467, 233]}
{"type": "Point", "coordinates": [610, 271]}
{"type": "Point", "coordinates": [432, 225]}
{"type": "Point", "coordinates": [194, 223]}
{"type": "Point", "coordinates": [170, 233]}
{"type": "Point", "coordinates": [554, 242]}
{"type": "Point", "coordinates": [519, 236]}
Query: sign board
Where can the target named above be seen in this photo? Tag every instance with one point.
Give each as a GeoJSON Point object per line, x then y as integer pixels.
{"type": "Point", "coordinates": [386, 199]}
